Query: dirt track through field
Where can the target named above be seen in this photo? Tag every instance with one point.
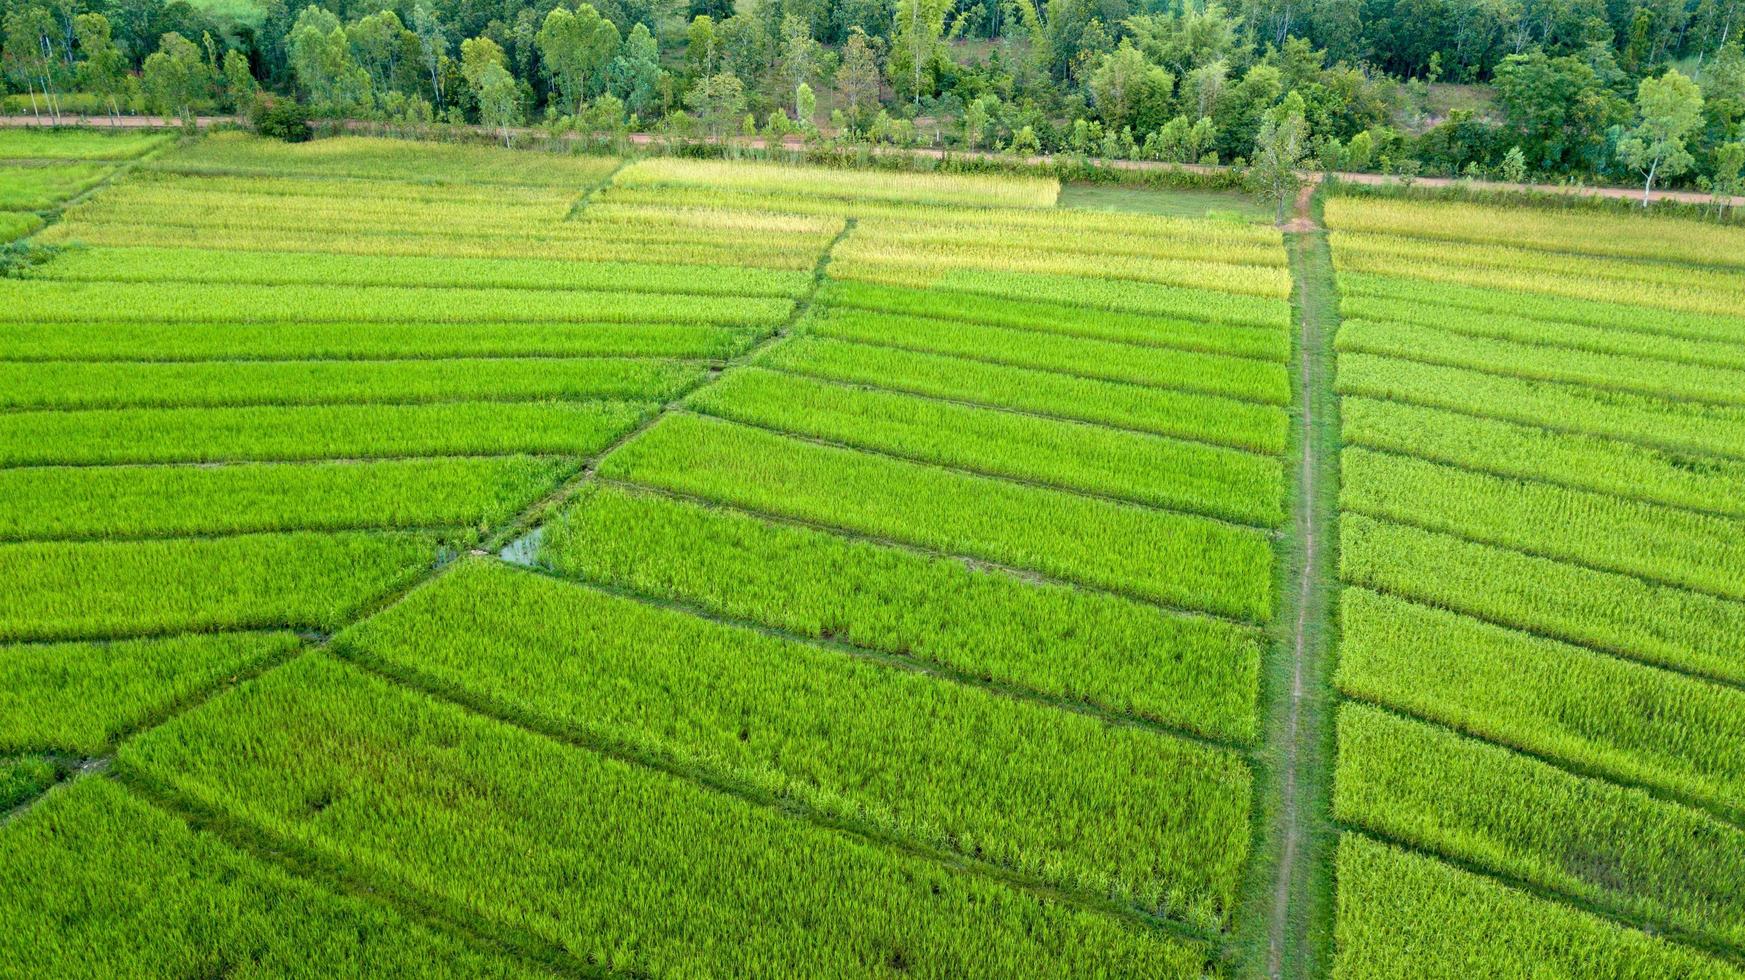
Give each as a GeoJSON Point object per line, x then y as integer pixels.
{"type": "Point", "coordinates": [1292, 903]}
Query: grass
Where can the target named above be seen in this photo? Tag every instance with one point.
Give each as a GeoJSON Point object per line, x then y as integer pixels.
{"type": "Point", "coordinates": [1220, 205]}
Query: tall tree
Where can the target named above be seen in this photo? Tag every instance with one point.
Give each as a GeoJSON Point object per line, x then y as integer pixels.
{"type": "Point", "coordinates": [433, 46]}
{"type": "Point", "coordinates": [1668, 109]}
{"type": "Point", "coordinates": [499, 99]}
{"type": "Point", "coordinates": [30, 54]}
{"type": "Point", "coordinates": [320, 56]}
{"type": "Point", "coordinates": [799, 56]}
{"type": "Point", "coordinates": [858, 78]}
{"type": "Point", "coordinates": [175, 77]}
{"type": "Point", "coordinates": [636, 71]}
{"type": "Point", "coordinates": [576, 50]}
{"type": "Point", "coordinates": [1279, 149]}
{"type": "Point", "coordinates": [917, 46]}
{"type": "Point", "coordinates": [103, 73]}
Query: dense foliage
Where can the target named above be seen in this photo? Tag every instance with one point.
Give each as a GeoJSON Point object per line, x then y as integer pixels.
{"type": "Point", "coordinates": [1641, 90]}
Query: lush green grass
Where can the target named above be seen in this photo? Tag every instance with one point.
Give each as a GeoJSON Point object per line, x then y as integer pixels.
{"type": "Point", "coordinates": [101, 884]}
{"type": "Point", "coordinates": [37, 188]}
{"type": "Point", "coordinates": [1664, 544]}
{"type": "Point", "coordinates": [1185, 476]}
{"type": "Point", "coordinates": [1402, 916]}
{"type": "Point", "coordinates": [1595, 712]}
{"type": "Point", "coordinates": [25, 777]}
{"type": "Point", "coordinates": [308, 432]}
{"type": "Point", "coordinates": [1229, 205]}
{"type": "Point", "coordinates": [127, 501]}
{"type": "Point", "coordinates": [17, 224]}
{"type": "Point", "coordinates": [630, 868]}
{"type": "Point", "coordinates": [1224, 421]}
{"type": "Point", "coordinates": [75, 144]}
{"type": "Point", "coordinates": [365, 341]}
{"type": "Point", "coordinates": [1617, 848]}
{"type": "Point", "coordinates": [1184, 334]}
{"type": "Point", "coordinates": [1192, 672]}
{"type": "Point", "coordinates": [1683, 427]}
{"type": "Point", "coordinates": [389, 159]}
{"type": "Point", "coordinates": [1210, 374]}
{"type": "Point", "coordinates": [77, 697]}
{"type": "Point", "coordinates": [1065, 798]}
{"type": "Point", "coordinates": [1654, 623]}
{"type": "Point", "coordinates": [64, 590]}
{"type": "Point", "coordinates": [97, 384]}
{"type": "Point", "coordinates": [1189, 562]}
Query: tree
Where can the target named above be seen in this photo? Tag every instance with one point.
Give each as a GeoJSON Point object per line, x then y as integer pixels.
{"type": "Point", "coordinates": [917, 46]}
{"type": "Point", "coordinates": [1279, 149]}
{"type": "Point", "coordinates": [1559, 108]}
{"type": "Point", "coordinates": [1514, 169]}
{"type": "Point", "coordinates": [432, 46]}
{"type": "Point", "coordinates": [1728, 181]}
{"type": "Point", "coordinates": [239, 83]}
{"type": "Point", "coordinates": [175, 76]}
{"type": "Point", "coordinates": [859, 78]}
{"type": "Point", "coordinates": [377, 42]}
{"type": "Point", "coordinates": [320, 56]}
{"type": "Point", "coordinates": [576, 50]}
{"type": "Point", "coordinates": [636, 71]}
{"type": "Point", "coordinates": [499, 99]}
{"type": "Point", "coordinates": [718, 101]}
{"type": "Point", "coordinates": [103, 73]}
{"type": "Point", "coordinates": [29, 54]}
{"type": "Point", "coordinates": [1668, 109]}
{"type": "Point", "coordinates": [1130, 91]}
{"type": "Point", "coordinates": [805, 107]}
{"type": "Point", "coordinates": [799, 55]}
{"type": "Point", "coordinates": [700, 47]}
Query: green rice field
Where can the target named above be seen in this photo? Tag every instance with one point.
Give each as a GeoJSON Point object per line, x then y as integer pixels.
{"type": "Point", "coordinates": [442, 560]}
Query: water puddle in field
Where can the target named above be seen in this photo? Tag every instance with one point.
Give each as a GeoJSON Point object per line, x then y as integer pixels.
{"type": "Point", "coordinates": [523, 550]}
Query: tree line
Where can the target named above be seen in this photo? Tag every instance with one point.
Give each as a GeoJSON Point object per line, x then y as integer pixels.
{"type": "Point", "coordinates": [1616, 90]}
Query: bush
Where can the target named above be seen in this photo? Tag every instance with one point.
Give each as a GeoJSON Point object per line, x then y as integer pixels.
{"type": "Point", "coordinates": [284, 119]}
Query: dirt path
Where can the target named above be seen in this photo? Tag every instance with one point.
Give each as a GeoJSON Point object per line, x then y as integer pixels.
{"type": "Point", "coordinates": [1294, 903]}
{"type": "Point", "coordinates": [796, 144]}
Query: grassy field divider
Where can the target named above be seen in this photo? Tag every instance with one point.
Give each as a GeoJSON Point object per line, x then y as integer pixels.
{"type": "Point", "coordinates": [529, 521]}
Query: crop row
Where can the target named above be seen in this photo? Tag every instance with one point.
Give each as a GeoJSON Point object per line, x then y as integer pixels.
{"type": "Point", "coordinates": [1580, 232]}
{"type": "Point", "coordinates": [856, 185]}
{"type": "Point", "coordinates": [1681, 426]}
{"type": "Point", "coordinates": [1162, 411]}
{"type": "Point", "coordinates": [1062, 797]}
{"type": "Point", "coordinates": [1208, 305]}
{"type": "Point", "coordinates": [166, 203]}
{"type": "Point", "coordinates": [368, 157]}
{"type": "Point", "coordinates": [1570, 459]}
{"type": "Point", "coordinates": [1692, 297]}
{"type": "Point", "coordinates": [881, 260]}
{"type": "Point", "coordinates": [963, 236]}
{"type": "Point", "coordinates": [78, 696]}
{"type": "Point", "coordinates": [1596, 712]}
{"type": "Point", "coordinates": [65, 590]}
{"type": "Point", "coordinates": [150, 501]}
{"type": "Point", "coordinates": [628, 869]}
{"type": "Point", "coordinates": [109, 384]}
{"type": "Point", "coordinates": [1194, 477]}
{"type": "Point", "coordinates": [75, 144]}
{"type": "Point", "coordinates": [1402, 916]}
{"type": "Point", "coordinates": [293, 189]}
{"type": "Point", "coordinates": [1642, 375]}
{"type": "Point", "coordinates": [310, 269]}
{"type": "Point", "coordinates": [1616, 339]}
{"type": "Point", "coordinates": [1151, 331]}
{"type": "Point", "coordinates": [102, 884]}
{"type": "Point", "coordinates": [15, 224]}
{"type": "Point", "coordinates": [35, 188]}
{"type": "Point", "coordinates": [1213, 374]}
{"type": "Point", "coordinates": [1191, 672]}
{"type": "Point", "coordinates": [1360, 251]}
{"type": "Point", "coordinates": [590, 245]}
{"type": "Point", "coordinates": [1617, 848]}
{"type": "Point", "coordinates": [1559, 309]}
{"type": "Point", "coordinates": [163, 435]}
{"type": "Point", "coordinates": [142, 342]}
{"type": "Point", "coordinates": [1189, 562]}
{"type": "Point", "coordinates": [30, 301]}
{"type": "Point", "coordinates": [601, 216]}
{"type": "Point", "coordinates": [1666, 544]}
{"type": "Point", "coordinates": [1654, 623]}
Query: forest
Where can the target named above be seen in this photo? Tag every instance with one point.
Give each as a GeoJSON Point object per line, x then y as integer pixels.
{"type": "Point", "coordinates": [1644, 92]}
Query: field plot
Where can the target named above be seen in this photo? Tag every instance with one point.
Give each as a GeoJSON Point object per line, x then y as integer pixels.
{"type": "Point", "coordinates": [871, 573]}
{"type": "Point", "coordinates": [1541, 747]}
{"type": "Point", "coordinates": [40, 171]}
